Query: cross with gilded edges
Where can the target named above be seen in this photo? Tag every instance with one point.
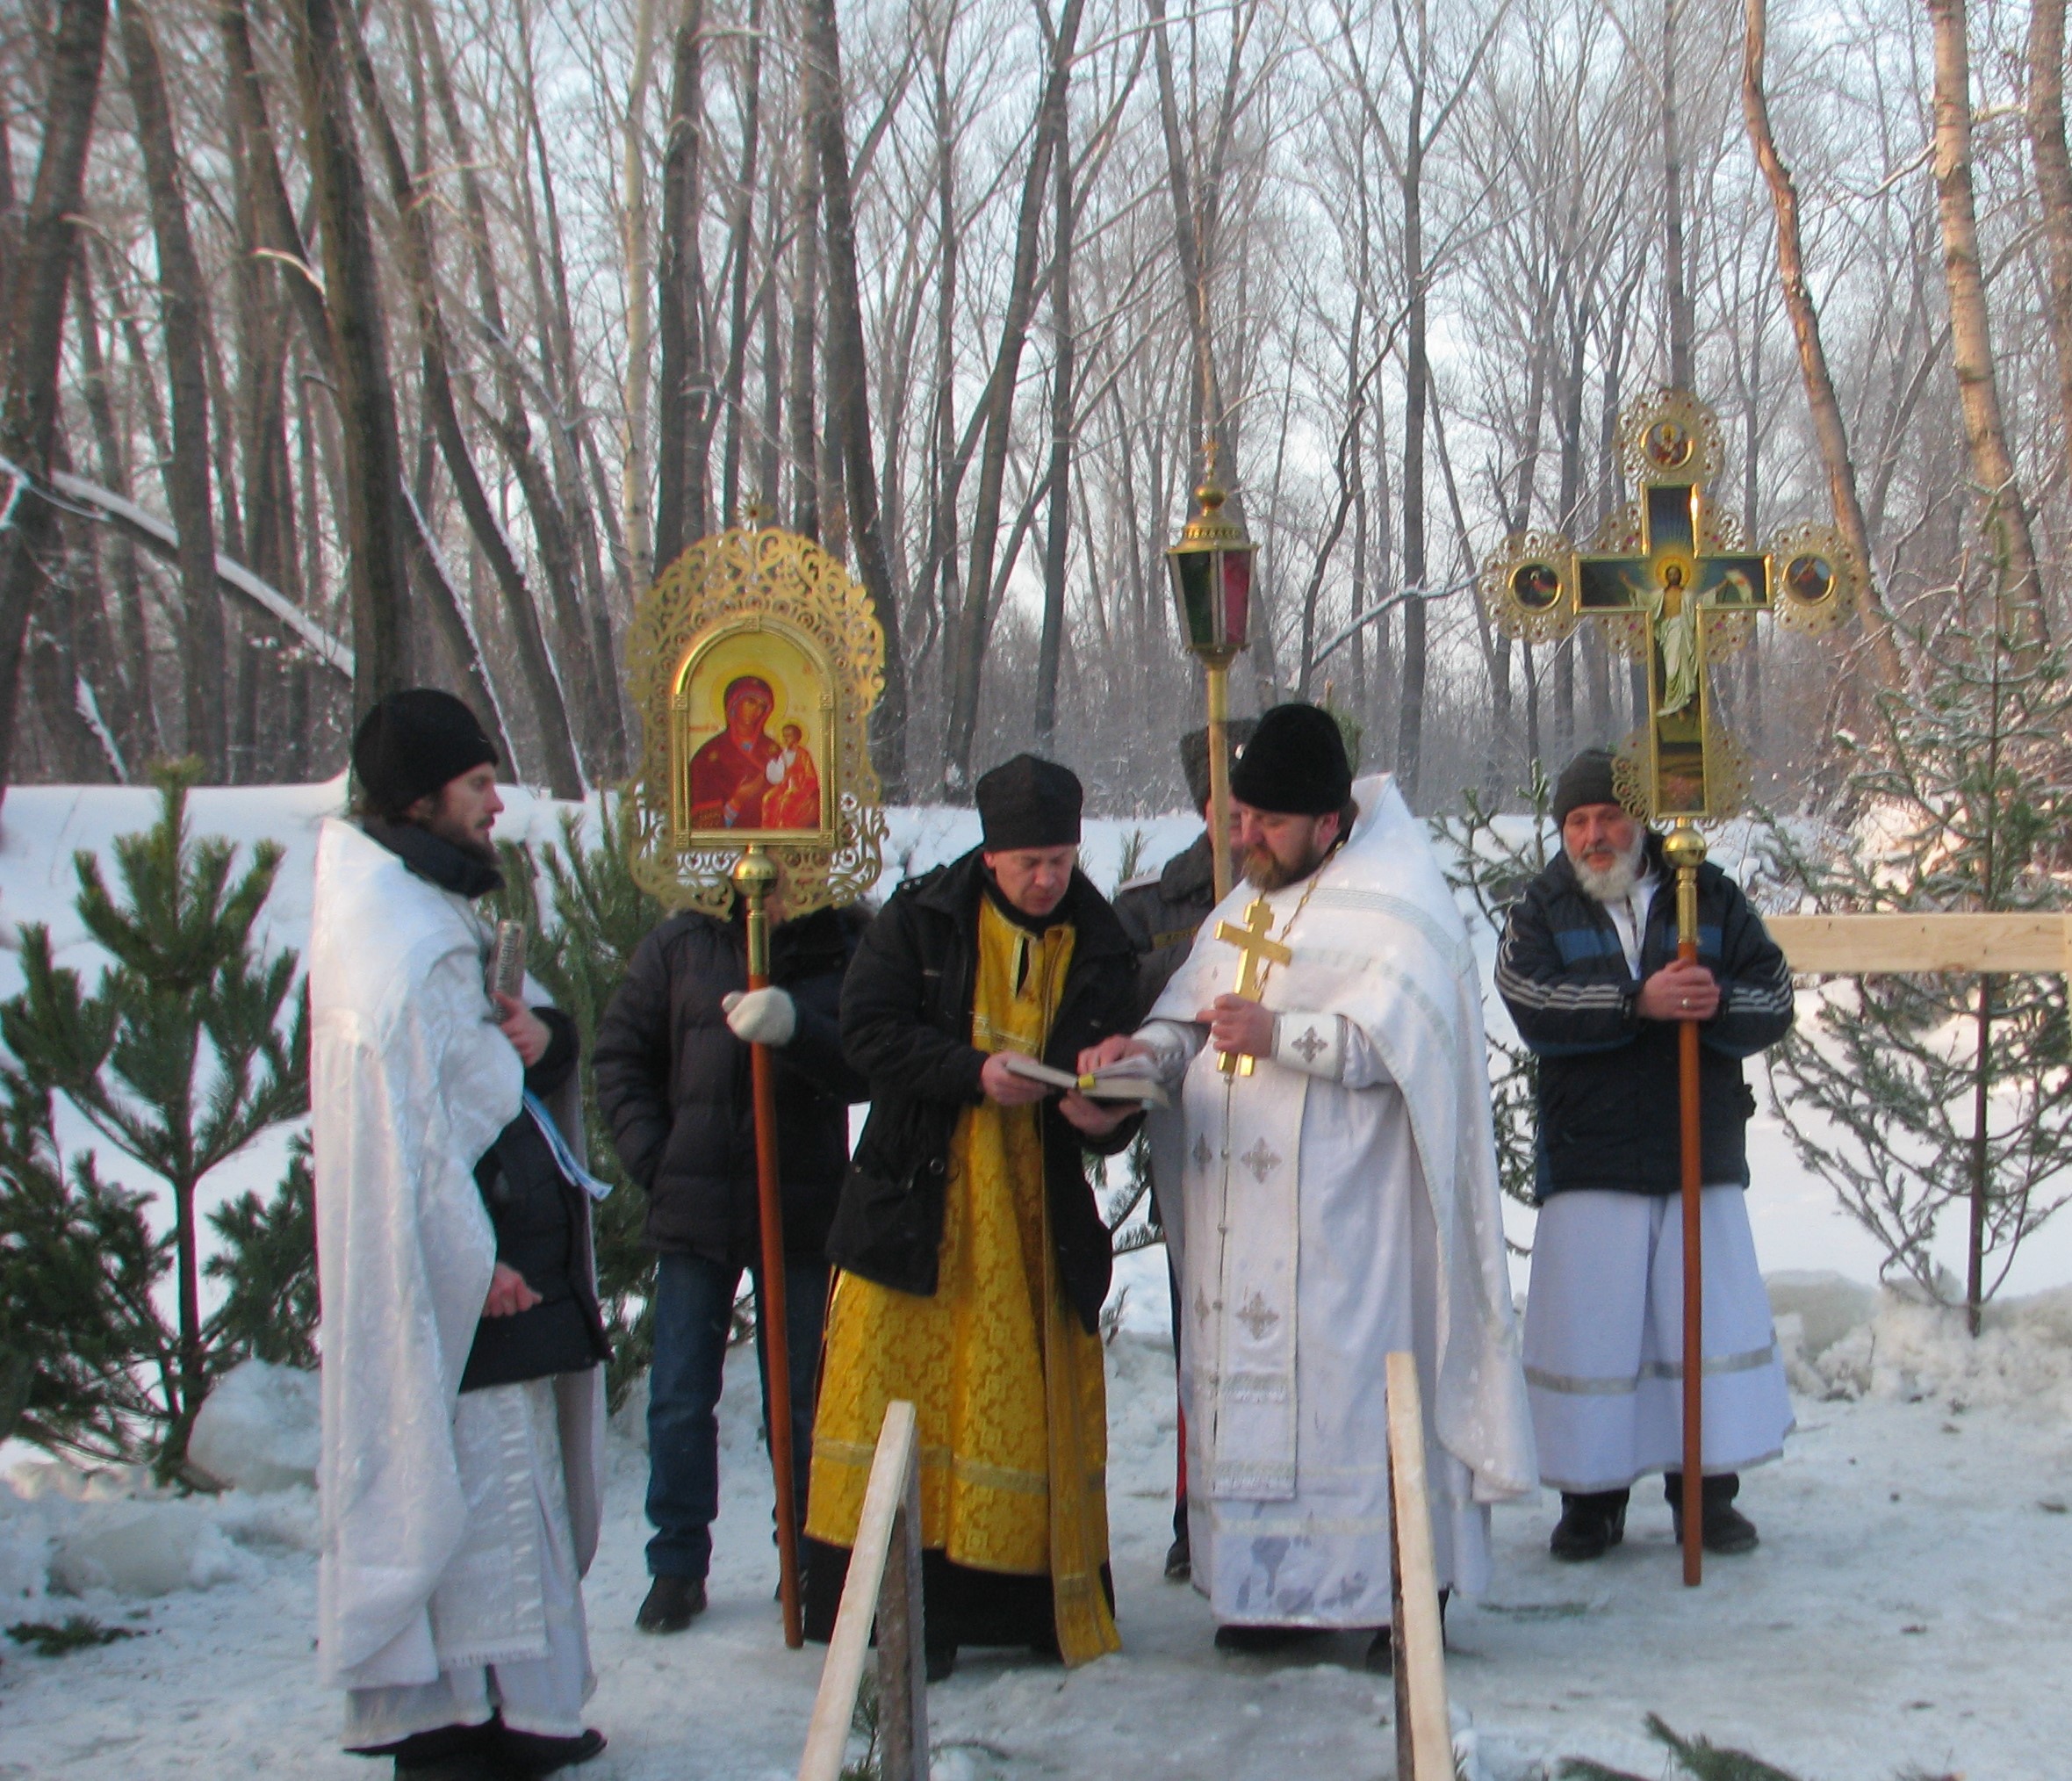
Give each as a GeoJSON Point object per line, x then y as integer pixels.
{"type": "Point", "coordinates": [1256, 950]}
{"type": "Point", "coordinates": [1679, 595]}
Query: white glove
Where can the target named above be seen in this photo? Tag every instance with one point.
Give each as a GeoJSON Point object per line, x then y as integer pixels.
{"type": "Point", "coordinates": [761, 1017]}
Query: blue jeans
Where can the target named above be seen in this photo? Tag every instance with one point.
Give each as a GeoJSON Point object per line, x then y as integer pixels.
{"type": "Point", "coordinates": [694, 1310]}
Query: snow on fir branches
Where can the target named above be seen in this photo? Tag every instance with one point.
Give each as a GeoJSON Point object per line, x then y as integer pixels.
{"type": "Point", "coordinates": [183, 1051]}
{"type": "Point", "coordinates": [1921, 1098]}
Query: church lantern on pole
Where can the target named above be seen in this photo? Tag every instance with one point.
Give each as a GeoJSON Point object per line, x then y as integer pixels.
{"type": "Point", "coordinates": [1210, 568]}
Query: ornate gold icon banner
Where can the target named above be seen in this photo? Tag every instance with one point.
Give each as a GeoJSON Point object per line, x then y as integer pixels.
{"type": "Point", "coordinates": [755, 662]}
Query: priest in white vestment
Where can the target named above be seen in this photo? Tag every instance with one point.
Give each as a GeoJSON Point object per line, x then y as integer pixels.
{"type": "Point", "coordinates": [462, 1391]}
{"type": "Point", "coordinates": [1338, 1200]}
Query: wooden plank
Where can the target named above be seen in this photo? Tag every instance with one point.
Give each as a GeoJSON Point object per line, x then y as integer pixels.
{"type": "Point", "coordinates": [903, 1669]}
{"type": "Point", "coordinates": [1420, 1642]}
{"type": "Point", "coordinates": [827, 1734]}
{"type": "Point", "coordinates": [1864, 944]}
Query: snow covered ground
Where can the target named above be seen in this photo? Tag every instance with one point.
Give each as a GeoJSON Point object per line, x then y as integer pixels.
{"type": "Point", "coordinates": [1911, 1607]}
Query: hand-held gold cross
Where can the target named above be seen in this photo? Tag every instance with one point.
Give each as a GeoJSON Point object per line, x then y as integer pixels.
{"type": "Point", "coordinates": [1255, 949]}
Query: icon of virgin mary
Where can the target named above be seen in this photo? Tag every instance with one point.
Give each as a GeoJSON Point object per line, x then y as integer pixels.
{"type": "Point", "coordinates": [730, 774]}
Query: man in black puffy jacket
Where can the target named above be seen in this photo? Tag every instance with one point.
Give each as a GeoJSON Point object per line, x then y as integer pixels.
{"type": "Point", "coordinates": [1589, 972]}
{"type": "Point", "coordinates": [973, 1259]}
{"type": "Point", "coordinates": [672, 1084]}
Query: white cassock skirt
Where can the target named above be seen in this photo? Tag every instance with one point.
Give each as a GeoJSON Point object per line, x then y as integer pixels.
{"type": "Point", "coordinates": [1604, 1340]}
{"type": "Point", "coordinates": [505, 1628]}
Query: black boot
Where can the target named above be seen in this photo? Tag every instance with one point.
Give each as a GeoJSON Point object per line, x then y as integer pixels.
{"type": "Point", "coordinates": [671, 1604]}
{"type": "Point", "coordinates": [533, 1753]}
{"type": "Point", "coordinates": [1591, 1522]}
{"type": "Point", "coordinates": [1259, 1641]}
{"type": "Point", "coordinates": [1722, 1528]}
{"type": "Point", "coordinates": [450, 1753]}
{"type": "Point", "coordinates": [1179, 1563]}
{"type": "Point", "coordinates": [1381, 1650]}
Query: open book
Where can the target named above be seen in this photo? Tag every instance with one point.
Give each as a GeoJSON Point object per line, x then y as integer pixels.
{"type": "Point", "coordinates": [1129, 1080]}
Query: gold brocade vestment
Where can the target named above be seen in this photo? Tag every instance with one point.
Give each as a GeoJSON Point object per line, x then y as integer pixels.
{"type": "Point", "coordinates": [1009, 1387]}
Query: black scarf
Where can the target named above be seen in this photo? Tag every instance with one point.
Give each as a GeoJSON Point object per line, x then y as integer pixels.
{"type": "Point", "coordinates": [436, 860]}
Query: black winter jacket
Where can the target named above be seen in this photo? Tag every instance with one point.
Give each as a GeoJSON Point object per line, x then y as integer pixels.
{"type": "Point", "coordinates": [1608, 1085]}
{"type": "Point", "coordinates": [1162, 912]}
{"type": "Point", "coordinates": [672, 1084]}
{"type": "Point", "coordinates": [906, 1022]}
{"type": "Point", "coordinates": [541, 1223]}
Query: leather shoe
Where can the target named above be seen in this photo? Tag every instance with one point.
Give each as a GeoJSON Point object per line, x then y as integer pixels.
{"type": "Point", "coordinates": [531, 1753]}
{"type": "Point", "coordinates": [1255, 1639]}
{"type": "Point", "coordinates": [938, 1661]}
{"type": "Point", "coordinates": [1591, 1525]}
{"type": "Point", "coordinates": [672, 1603]}
{"type": "Point", "coordinates": [1722, 1528]}
{"type": "Point", "coordinates": [1179, 1564]}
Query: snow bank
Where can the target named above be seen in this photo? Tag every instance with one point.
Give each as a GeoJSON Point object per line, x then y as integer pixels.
{"type": "Point", "coordinates": [1845, 1341]}
{"type": "Point", "coordinates": [67, 1531]}
{"type": "Point", "coordinates": [259, 1430]}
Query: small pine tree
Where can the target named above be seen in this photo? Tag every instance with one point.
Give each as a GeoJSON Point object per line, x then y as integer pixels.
{"type": "Point", "coordinates": [78, 1269]}
{"type": "Point", "coordinates": [176, 1058]}
{"type": "Point", "coordinates": [1917, 1096]}
{"type": "Point", "coordinates": [1492, 860]}
{"type": "Point", "coordinates": [597, 916]}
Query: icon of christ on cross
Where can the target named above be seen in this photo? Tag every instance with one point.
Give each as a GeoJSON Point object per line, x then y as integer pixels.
{"type": "Point", "coordinates": [1675, 588]}
{"type": "Point", "coordinates": [1679, 591]}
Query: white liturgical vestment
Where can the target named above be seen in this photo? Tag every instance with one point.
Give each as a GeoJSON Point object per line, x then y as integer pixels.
{"type": "Point", "coordinates": [1339, 1203]}
{"type": "Point", "coordinates": [435, 1558]}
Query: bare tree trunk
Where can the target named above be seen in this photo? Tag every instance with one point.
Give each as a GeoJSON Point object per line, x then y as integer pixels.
{"type": "Point", "coordinates": [1057, 538]}
{"type": "Point", "coordinates": [973, 627]}
{"type": "Point", "coordinates": [1829, 426]}
{"type": "Point", "coordinates": [542, 686]}
{"type": "Point", "coordinates": [770, 465]}
{"type": "Point", "coordinates": [182, 319]}
{"type": "Point", "coordinates": [2018, 588]}
{"type": "Point", "coordinates": [1676, 292]}
{"type": "Point", "coordinates": [136, 721]}
{"type": "Point", "coordinates": [848, 392]}
{"type": "Point", "coordinates": [2053, 187]}
{"type": "Point", "coordinates": [680, 462]}
{"type": "Point", "coordinates": [800, 406]}
{"type": "Point", "coordinates": [597, 701]}
{"type": "Point", "coordinates": [636, 497]}
{"type": "Point", "coordinates": [1205, 399]}
{"type": "Point", "coordinates": [35, 330]}
{"type": "Point", "coordinates": [1410, 711]}
{"type": "Point", "coordinates": [373, 460]}
{"type": "Point", "coordinates": [741, 240]}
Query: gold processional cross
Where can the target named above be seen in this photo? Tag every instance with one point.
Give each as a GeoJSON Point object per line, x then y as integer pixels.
{"type": "Point", "coordinates": [1255, 950]}
{"type": "Point", "coordinates": [1680, 592]}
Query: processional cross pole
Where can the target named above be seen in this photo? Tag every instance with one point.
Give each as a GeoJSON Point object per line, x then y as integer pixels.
{"type": "Point", "coordinates": [1255, 950]}
{"type": "Point", "coordinates": [1680, 591]}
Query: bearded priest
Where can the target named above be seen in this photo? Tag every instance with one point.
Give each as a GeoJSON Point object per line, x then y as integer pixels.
{"type": "Point", "coordinates": [1338, 1199]}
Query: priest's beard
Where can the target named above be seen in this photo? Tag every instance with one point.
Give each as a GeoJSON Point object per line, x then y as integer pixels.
{"type": "Point", "coordinates": [1608, 884]}
{"type": "Point", "coordinates": [1266, 871]}
{"type": "Point", "coordinates": [451, 830]}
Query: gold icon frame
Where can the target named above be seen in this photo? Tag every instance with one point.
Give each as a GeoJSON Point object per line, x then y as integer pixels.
{"type": "Point", "coordinates": [755, 600]}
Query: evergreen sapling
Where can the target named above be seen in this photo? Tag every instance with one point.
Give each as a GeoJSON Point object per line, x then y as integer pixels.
{"type": "Point", "coordinates": [178, 1060]}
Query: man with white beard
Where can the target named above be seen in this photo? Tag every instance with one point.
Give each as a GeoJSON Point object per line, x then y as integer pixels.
{"type": "Point", "coordinates": [1336, 1199]}
{"type": "Point", "coordinates": [1589, 972]}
